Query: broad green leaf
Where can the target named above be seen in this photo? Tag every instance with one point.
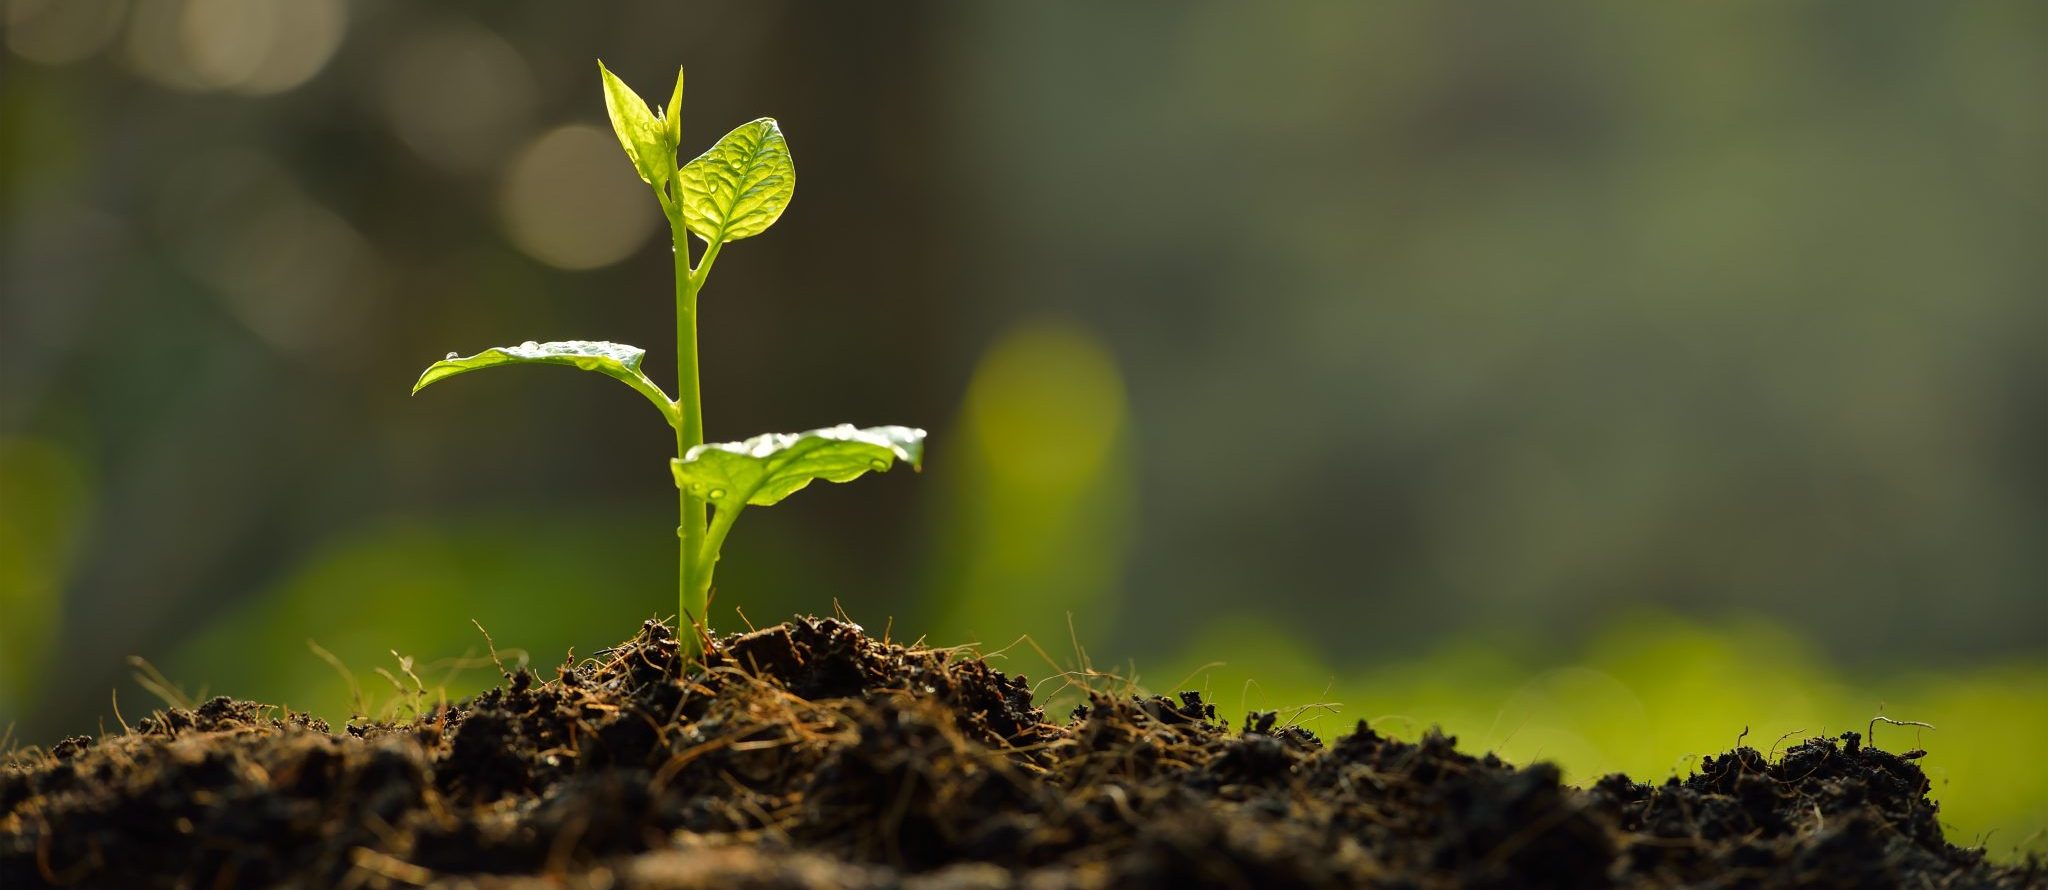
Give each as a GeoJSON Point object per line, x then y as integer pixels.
{"type": "Point", "coordinates": [740, 187]}
{"type": "Point", "coordinates": [644, 137]}
{"type": "Point", "coordinates": [769, 467]}
{"type": "Point", "coordinates": [615, 360]}
{"type": "Point", "coordinates": [672, 119]}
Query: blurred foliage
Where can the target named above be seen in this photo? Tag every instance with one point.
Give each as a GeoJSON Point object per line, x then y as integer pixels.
{"type": "Point", "coordinates": [1650, 695]}
{"type": "Point", "coordinates": [411, 588]}
{"type": "Point", "coordinates": [1402, 350]}
{"type": "Point", "coordinates": [1037, 511]}
{"type": "Point", "coordinates": [1538, 310]}
{"type": "Point", "coordinates": [47, 494]}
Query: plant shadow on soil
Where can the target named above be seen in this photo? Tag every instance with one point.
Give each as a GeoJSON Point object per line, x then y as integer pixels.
{"type": "Point", "coordinates": [810, 755]}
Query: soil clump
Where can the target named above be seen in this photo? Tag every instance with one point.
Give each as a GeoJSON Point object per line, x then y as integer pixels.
{"type": "Point", "coordinates": [811, 755]}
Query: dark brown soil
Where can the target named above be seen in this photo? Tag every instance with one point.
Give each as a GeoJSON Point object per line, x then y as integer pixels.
{"type": "Point", "coordinates": [812, 756]}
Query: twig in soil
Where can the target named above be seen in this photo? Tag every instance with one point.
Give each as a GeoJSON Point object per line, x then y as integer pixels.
{"type": "Point", "coordinates": [1191, 675]}
{"type": "Point", "coordinates": [564, 844]}
{"type": "Point", "coordinates": [149, 678]}
{"type": "Point", "coordinates": [683, 758]}
{"type": "Point", "coordinates": [1514, 732]}
{"type": "Point", "coordinates": [1982, 839]}
{"type": "Point", "coordinates": [1686, 758]}
{"type": "Point", "coordinates": [1085, 672]}
{"type": "Point", "coordinates": [1080, 654]}
{"type": "Point", "coordinates": [1870, 732]}
{"type": "Point", "coordinates": [115, 694]}
{"type": "Point", "coordinates": [489, 644]}
{"type": "Point", "coordinates": [355, 691]}
{"type": "Point", "coordinates": [1781, 740]}
{"type": "Point", "coordinates": [744, 619]}
{"type": "Point", "coordinates": [400, 687]}
{"type": "Point", "coordinates": [78, 871]}
{"type": "Point", "coordinates": [388, 867]}
{"type": "Point", "coordinates": [745, 796]}
{"type": "Point", "coordinates": [1327, 707]}
{"type": "Point", "coordinates": [1082, 680]}
{"type": "Point", "coordinates": [417, 695]}
{"type": "Point", "coordinates": [990, 655]}
{"type": "Point", "coordinates": [2025, 842]}
{"type": "Point", "coordinates": [1741, 735]}
{"type": "Point", "coordinates": [405, 664]}
{"type": "Point", "coordinates": [455, 666]}
{"type": "Point", "coordinates": [1321, 703]}
{"type": "Point", "coordinates": [1490, 727]}
{"type": "Point", "coordinates": [892, 823]}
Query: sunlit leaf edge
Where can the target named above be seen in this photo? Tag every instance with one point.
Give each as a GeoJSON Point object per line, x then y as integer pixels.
{"type": "Point", "coordinates": [754, 165]}
{"type": "Point", "coordinates": [616, 360]}
{"type": "Point", "coordinates": [791, 461]}
{"type": "Point", "coordinates": [640, 130]}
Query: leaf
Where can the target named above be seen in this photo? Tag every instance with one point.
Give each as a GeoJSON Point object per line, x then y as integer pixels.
{"type": "Point", "coordinates": [644, 137]}
{"type": "Point", "coordinates": [672, 119]}
{"type": "Point", "coordinates": [615, 360]}
{"type": "Point", "coordinates": [740, 187]}
{"type": "Point", "coordinates": [772, 466]}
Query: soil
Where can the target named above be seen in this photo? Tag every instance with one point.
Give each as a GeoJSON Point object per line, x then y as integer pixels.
{"type": "Point", "coordinates": [810, 755]}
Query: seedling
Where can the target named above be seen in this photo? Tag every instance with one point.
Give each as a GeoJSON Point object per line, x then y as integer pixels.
{"type": "Point", "coordinates": [735, 190]}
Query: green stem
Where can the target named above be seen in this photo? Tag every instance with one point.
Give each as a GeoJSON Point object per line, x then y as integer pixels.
{"type": "Point", "coordinates": [693, 570]}
{"type": "Point", "coordinates": [689, 433]}
{"type": "Point", "coordinates": [723, 514]}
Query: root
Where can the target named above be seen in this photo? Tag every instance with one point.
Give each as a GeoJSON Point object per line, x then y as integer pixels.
{"type": "Point", "coordinates": [355, 692]}
{"type": "Point", "coordinates": [1870, 732]}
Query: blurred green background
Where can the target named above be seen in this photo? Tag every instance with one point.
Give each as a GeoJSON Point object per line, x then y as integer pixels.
{"type": "Point", "coordinates": [1594, 380]}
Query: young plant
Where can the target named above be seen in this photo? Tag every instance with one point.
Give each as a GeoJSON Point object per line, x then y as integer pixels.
{"type": "Point", "coordinates": [735, 190]}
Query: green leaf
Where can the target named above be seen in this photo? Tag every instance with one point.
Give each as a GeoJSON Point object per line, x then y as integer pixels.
{"type": "Point", "coordinates": [740, 187]}
{"type": "Point", "coordinates": [644, 137]}
{"type": "Point", "coordinates": [615, 360]}
{"type": "Point", "coordinates": [769, 467]}
{"type": "Point", "coordinates": [672, 119]}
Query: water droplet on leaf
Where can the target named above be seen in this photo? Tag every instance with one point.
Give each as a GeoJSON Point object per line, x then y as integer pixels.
{"type": "Point", "coordinates": [878, 465]}
{"type": "Point", "coordinates": [451, 355]}
{"type": "Point", "coordinates": [529, 345]}
{"type": "Point", "coordinates": [717, 493]}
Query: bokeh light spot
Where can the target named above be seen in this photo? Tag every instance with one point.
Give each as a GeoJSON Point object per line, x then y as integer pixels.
{"type": "Point", "coordinates": [1046, 406]}
{"type": "Point", "coordinates": [571, 200]}
{"type": "Point", "coordinates": [57, 32]}
{"type": "Point", "coordinates": [252, 47]}
{"type": "Point", "coordinates": [458, 96]}
{"type": "Point", "coordinates": [293, 271]}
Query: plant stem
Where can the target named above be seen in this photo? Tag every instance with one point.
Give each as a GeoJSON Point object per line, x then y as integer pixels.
{"type": "Point", "coordinates": [689, 433]}
{"type": "Point", "coordinates": [693, 569]}
{"type": "Point", "coordinates": [722, 516]}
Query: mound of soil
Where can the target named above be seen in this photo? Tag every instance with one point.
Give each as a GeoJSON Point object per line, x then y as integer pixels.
{"type": "Point", "coordinates": [810, 755]}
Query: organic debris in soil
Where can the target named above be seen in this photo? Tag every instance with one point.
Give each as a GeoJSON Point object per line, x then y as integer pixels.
{"type": "Point", "coordinates": [810, 755]}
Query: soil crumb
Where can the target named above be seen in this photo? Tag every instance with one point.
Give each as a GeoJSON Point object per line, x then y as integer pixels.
{"type": "Point", "coordinates": [810, 755]}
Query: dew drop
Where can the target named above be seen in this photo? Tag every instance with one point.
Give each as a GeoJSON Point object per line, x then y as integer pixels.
{"type": "Point", "coordinates": [878, 465]}
{"type": "Point", "coordinates": [717, 493]}
{"type": "Point", "coordinates": [696, 488]}
{"type": "Point", "coordinates": [451, 355]}
{"type": "Point", "coordinates": [529, 345]}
